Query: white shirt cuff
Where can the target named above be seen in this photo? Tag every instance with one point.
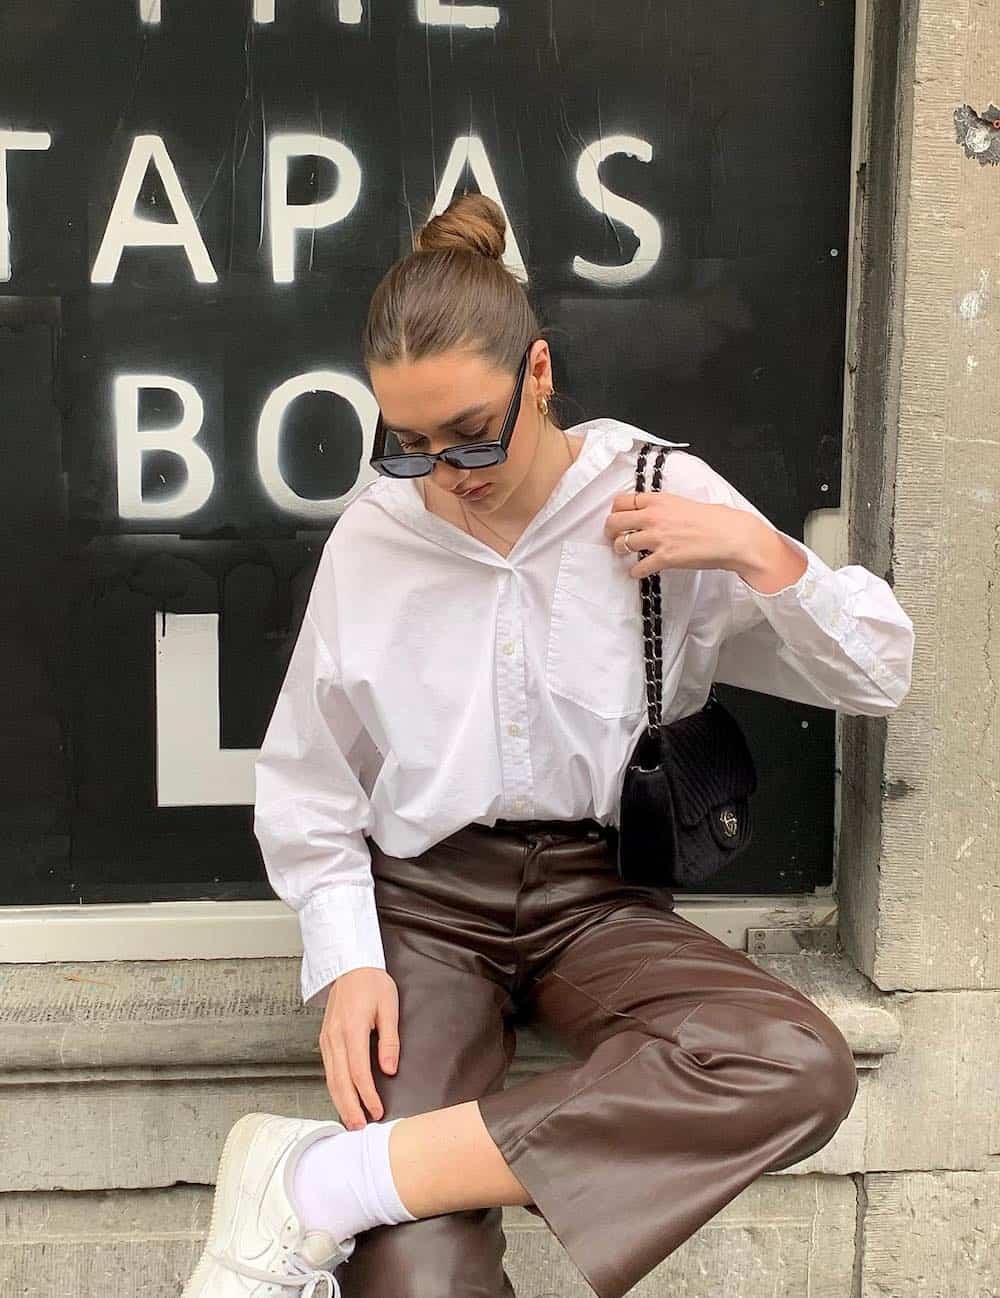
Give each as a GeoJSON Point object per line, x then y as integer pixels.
{"type": "Point", "coordinates": [827, 597]}
{"type": "Point", "coordinates": [340, 932]}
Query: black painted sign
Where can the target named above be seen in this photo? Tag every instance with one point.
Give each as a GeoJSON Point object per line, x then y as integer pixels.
{"type": "Point", "coordinates": [196, 202]}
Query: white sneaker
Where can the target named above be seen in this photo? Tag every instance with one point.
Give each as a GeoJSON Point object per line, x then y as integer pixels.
{"type": "Point", "coordinates": [256, 1243]}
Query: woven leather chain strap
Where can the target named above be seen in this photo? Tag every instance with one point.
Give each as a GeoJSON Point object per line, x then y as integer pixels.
{"type": "Point", "coordinates": [652, 605]}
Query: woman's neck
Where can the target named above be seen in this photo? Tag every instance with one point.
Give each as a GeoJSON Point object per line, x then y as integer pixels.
{"type": "Point", "coordinates": [507, 524]}
{"type": "Point", "coordinates": [515, 514]}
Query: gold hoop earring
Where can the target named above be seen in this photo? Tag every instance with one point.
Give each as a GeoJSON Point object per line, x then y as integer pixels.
{"type": "Point", "coordinates": [543, 405]}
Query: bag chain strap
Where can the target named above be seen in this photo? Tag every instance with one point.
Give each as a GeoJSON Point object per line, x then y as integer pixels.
{"type": "Point", "coordinates": [652, 605]}
{"type": "Point", "coordinates": [649, 586]}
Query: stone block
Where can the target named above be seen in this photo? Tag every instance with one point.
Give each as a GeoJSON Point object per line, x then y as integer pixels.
{"type": "Point", "coordinates": [937, 1101]}
{"type": "Point", "coordinates": [931, 1235]}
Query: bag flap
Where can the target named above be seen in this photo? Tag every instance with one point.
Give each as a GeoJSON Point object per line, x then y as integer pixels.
{"type": "Point", "coordinates": [707, 761]}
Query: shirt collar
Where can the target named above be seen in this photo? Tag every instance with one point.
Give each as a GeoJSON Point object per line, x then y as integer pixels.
{"type": "Point", "coordinates": [605, 438]}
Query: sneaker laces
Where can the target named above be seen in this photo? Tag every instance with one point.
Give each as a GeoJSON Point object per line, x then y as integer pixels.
{"type": "Point", "coordinates": [298, 1275]}
{"type": "Point", "coordinates": [312, 1278]}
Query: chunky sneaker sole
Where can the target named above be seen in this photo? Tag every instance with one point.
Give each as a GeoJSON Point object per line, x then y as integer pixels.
{"type": "Point", "coordinates": [256, 1245]}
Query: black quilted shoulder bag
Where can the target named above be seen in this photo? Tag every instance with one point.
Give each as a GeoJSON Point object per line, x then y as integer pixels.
{"type": "Point", "coordinates": [685, 802]}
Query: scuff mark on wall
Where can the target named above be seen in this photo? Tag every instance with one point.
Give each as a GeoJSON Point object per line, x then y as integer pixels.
{"type": "Point", "coordinates": [971, 305]}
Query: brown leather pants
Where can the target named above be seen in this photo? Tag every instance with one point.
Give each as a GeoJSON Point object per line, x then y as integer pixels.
{"type": "Point", "coordinates": [694, 1070]}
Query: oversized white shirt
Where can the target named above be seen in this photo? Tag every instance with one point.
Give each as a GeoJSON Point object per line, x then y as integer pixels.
{"type": "Point", "coordinates": [435, 683]}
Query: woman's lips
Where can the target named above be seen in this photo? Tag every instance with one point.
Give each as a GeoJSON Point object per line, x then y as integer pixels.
{"type": "Point", "coordinates": [474, 495]}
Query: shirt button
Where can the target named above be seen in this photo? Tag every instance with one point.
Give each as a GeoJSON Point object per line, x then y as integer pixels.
{"type": "Point", "coordinates": [508, 647]}
{"type": "Point", "coordinates": [513, 729]}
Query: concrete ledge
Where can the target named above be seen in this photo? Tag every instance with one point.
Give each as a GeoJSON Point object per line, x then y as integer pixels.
{"type": "Point", "coordinates": [142, 1067]}
{"type": "Point", "coordinates": [784, 1236]}
{"type": "Point", "coordinates": [87, 1018]}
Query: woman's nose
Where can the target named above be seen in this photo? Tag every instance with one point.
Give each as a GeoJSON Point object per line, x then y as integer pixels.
{"type": "Point", "coordinates": [447, 476]}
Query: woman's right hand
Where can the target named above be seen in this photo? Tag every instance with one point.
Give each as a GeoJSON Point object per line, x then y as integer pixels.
{"type": "Point", "coordinates": [359, 1000]}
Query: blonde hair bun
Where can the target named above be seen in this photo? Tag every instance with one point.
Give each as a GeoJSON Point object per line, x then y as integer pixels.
{"type": "Point", "coordinates": [473, 222]}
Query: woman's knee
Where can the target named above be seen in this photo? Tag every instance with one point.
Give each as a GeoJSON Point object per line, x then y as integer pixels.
{"type": "Point", "coordinates": [810, 1069]}
{"type": "Point", "coordinates": [823, 1076]}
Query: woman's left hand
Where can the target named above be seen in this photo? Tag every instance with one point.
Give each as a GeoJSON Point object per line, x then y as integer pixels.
{"type": "Point", "coordinates": [681, 533]}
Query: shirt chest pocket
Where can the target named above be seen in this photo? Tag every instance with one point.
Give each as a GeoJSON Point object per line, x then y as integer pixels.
{"type": "Point", "coordinates": [595, 649]}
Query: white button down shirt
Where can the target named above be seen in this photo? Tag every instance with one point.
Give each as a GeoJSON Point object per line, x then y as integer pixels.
{"type": "Point", "coordinates": [435, 683]}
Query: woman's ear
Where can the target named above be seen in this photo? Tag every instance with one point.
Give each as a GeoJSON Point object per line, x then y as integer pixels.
{"type": "Point", "coordinates": [540, 369]}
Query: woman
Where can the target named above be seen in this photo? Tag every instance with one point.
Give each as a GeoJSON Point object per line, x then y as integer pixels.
{"type": "Point", "coordinates": [436, 796]}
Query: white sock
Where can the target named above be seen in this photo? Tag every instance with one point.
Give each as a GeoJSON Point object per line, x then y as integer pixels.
{"type": "Point", "coordinates": [343, 1183]}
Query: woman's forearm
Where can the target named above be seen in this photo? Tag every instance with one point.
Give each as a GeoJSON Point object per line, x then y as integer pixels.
{"type": "Point", "coordinates": [771, 563]}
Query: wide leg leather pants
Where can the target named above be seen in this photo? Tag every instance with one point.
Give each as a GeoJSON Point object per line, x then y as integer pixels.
{"type": "Point", "coordinates": [694, 1071]}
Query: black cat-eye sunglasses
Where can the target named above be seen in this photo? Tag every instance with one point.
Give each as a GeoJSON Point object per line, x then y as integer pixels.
{"type": "Point", "coordinates": [477, 455]}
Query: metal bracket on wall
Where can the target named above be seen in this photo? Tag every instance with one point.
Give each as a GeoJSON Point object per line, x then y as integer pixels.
{"type": "Point", "coordinates": [791, 941]}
